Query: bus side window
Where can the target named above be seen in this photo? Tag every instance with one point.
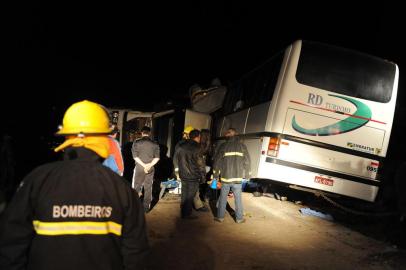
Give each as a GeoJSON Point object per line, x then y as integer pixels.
{"type": "Point", "coordinates": [255, 87]}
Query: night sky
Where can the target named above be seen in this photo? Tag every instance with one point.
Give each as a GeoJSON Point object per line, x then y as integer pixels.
{"type": "Point", "coordinates": [140, 53]}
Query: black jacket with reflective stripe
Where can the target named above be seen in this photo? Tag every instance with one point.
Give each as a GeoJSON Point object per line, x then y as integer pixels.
{"type": "Point", "coordinates": [232, 161]}
{"type": "Point", "coordinates": [86, 217]}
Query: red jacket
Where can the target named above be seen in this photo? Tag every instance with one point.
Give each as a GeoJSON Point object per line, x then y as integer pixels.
{"type": "Point", "coordinates": [115, 150]}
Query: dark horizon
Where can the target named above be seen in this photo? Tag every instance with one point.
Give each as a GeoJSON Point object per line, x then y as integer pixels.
{"type": "Point", "coordinates": [112, 52]}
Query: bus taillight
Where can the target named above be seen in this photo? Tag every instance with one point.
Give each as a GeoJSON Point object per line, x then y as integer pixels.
{"type": "Point", "coordinates": [273, 146]}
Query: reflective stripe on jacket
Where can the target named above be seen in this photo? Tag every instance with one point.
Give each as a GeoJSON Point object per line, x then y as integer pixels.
{"type": "Point", "coordinates": [68, 214]}
{"type": "Point", "coordinates": [232, 161]}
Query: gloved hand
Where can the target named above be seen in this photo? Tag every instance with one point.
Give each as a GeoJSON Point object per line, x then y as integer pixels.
{"type": "Point", "coordinates": [218, 186]}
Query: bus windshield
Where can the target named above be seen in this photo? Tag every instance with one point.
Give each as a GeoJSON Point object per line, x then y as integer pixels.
{"type": "Point", "coordinates": [345, 72]}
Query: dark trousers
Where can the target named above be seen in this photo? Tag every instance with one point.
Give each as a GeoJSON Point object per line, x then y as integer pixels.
{"type": "Point", "coordinates": [141, 179]}
{"type": "Point", "coordinates": [189, 189]}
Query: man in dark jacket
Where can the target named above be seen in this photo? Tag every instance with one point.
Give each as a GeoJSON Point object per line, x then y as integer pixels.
{"type": "Point", "coordinates": [146, 154]}
{"type": "Point", "coordinates": [188, 162]}
{"type": "Point", "coordinates": [197, 202]}
{"type": "Point", "coordinates": [231, 164]}
{"type": "Point", "coordinates": [76, 213]}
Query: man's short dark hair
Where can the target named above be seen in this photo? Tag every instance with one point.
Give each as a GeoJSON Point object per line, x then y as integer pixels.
{"type": "Point", "coordinates": [146, 130]}
{"type": "Point", "coordinates": [231, 132]}
{"type": "Point", "coordinates": [194, 134]}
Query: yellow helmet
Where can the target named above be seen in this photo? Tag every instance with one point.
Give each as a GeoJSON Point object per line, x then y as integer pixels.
{"type": "Point", "coordinates": [85, 117]}
{"type": "Point", "coordinates": [188, 129]}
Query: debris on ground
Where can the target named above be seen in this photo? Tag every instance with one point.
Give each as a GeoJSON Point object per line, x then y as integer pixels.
{"type": "Point", "coordinates": [269, 195]}
{"type": "Point", "coordinates": [311, 212]}
{"type": "Point", "coordinates": [257, 194]}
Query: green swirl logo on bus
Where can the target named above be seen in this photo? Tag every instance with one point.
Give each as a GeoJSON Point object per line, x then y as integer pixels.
{"type": "Point", "coordinates": [359, 118]}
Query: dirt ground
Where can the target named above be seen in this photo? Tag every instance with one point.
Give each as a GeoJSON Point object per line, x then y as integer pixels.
{"type": "Point", "coordinates": [275, 236]}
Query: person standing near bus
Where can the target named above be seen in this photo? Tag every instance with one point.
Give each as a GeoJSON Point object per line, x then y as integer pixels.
{"type": "Point", "coordinates": [190, 167]}
{"type": "Point", "coordinates": [198, 204]}
{"type": "Point", "coordinates": [231, 164]}
{"type": "Point", "coordinates": [67, 214]}
{"type": "Point", "coordinates": [146, 154]}
{"type": "Point", "coordinates": [206, 149]}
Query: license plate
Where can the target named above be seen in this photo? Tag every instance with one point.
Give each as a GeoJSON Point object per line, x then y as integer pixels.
{"type": "Point", "coordinates": [324, 180]}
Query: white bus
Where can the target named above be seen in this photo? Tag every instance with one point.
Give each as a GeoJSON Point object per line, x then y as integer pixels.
{"type": "Point", "coordinates": [316, 116]}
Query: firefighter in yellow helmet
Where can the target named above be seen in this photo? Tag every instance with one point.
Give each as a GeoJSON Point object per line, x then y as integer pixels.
{"type": "Point", "coordinates": [185, 137]}
{"type": "Point", "coordinates": [186, 132]}
{"type": "Point", "coordinates": [66, 214]}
